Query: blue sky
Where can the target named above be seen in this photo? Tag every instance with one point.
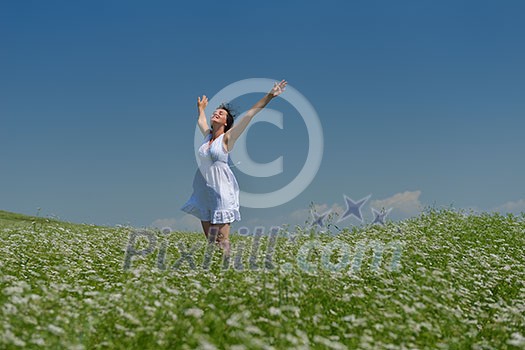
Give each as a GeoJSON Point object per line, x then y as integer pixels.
{"type": "Point", "coordinates": [421, 104]}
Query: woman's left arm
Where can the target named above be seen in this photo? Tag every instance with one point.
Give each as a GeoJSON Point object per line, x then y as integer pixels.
{"type": "Point", "coordinates": [238, 128]}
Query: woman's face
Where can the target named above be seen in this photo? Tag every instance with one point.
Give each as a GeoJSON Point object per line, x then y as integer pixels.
{"type": "Point", "coordinates": [219, 116]}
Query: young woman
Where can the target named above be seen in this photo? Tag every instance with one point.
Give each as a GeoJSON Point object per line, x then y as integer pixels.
{"type": "Point", "coordinates": [215, 198]}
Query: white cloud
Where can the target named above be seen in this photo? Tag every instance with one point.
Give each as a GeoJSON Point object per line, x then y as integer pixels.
{"type": "Point", "coordinates": [514, 207]}
{"type": "Point", "coordinates": [298, 217]}
{"type": "Point", "coordinates": [406, 203]}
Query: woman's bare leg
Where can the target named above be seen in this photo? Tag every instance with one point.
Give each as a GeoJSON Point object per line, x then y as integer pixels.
{"type": "Point", "coordinates": [224, 238]}
{"type": "Point", "coordinates": [205, 227]}
{"type": "Point", "coordinates": [222, 232]}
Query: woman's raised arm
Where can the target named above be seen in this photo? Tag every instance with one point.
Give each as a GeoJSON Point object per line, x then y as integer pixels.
{"type": "Point", "coordinates": [203, 123]}
{"type": "Point", "coordinates": [237, 129]}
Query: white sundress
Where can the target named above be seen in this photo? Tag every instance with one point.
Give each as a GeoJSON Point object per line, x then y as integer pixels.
{"type": "Point", "coordinates": [215, 195]}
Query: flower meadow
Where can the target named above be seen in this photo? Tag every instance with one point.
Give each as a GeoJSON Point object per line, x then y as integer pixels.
{"type": "Point", "coordinates": [445, 279]}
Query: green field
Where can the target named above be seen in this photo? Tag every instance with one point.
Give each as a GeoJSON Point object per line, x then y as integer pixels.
{"type": "Point", "coordinates": [446, 279]}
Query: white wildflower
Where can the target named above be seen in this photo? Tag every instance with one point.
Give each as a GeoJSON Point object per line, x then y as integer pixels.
{"type": "Point", "coordinates": [274, 311]}
{"type": "Point", "coordinates": [195, 312]}
{"type": "Point", "coordinates": [55, 329]}
{"type": "Point", "coordinates": [517, 340]}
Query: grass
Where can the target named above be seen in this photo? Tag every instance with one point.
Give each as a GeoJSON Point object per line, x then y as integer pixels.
{"type": "Point", "coordinates": [459, 284]}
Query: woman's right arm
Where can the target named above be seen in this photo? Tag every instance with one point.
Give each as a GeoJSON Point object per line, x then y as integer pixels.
{"type": "Point", "coordinates": [203, 122]}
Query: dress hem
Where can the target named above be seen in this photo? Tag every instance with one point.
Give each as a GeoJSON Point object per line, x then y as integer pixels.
{"type": "Point", "coordinates": [225, 216]}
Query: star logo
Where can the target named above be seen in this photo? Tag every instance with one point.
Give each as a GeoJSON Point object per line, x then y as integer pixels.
{"type": "Point", "coordinates": [353, 208]}
{"type": "Point", "coordinates": [379, 217]}
{"type": "Point", "coordinates": [319, 218]}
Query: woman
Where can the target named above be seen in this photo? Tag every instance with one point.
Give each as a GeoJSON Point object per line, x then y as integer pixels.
{"type": "Point", "coordinates": [215, 198]}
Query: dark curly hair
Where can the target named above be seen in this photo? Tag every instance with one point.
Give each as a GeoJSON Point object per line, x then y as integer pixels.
{"type": "Point", "coordinates": [230, 117]}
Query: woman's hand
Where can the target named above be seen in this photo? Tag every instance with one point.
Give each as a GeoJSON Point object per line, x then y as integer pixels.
{"type": "Point", "coordinates": [278, 88]}
{"type": "Point", "coordinates": [202, 122]}
{"type": "Point", "coordinates": [202, 103]}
